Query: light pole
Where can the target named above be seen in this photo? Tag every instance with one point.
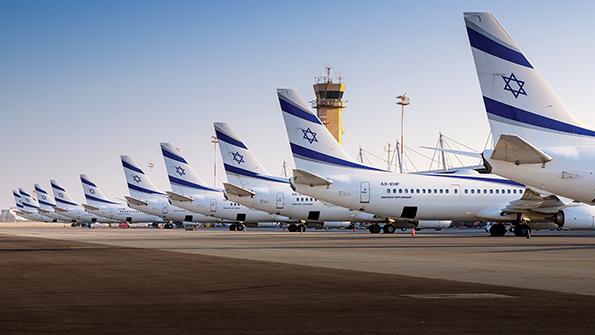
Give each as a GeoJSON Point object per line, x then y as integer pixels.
{"type": "Point", "coordinates": [403, 100]}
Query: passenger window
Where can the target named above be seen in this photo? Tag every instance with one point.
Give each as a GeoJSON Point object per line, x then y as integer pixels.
{"type": "Point", "coordinates": [423, 190]}
{"type": "Point", "coordinates": [446, 191]}
{"type": "Point", "coordinates": [440, 191]}
{"type": "Point", "coordinates": [394, 190]}
{"type": "Point", "coordinates": [491, 191]}
{"type": "Point", "coordinates": [466, 191]}
{"type": "Point", "coordinates": [456, 191]}
{"type": "Point", "coordinates": [435, 191]}
{"type": "Point", "coordinates": [417, 191]}
{"type": "Point", "coordinates": [406, 191]}
{"type": "Point", "coordinates": [400, 190]}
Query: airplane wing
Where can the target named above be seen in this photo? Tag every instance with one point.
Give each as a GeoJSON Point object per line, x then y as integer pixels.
{"type": "Point", "coordinates": [512, 148]}
{"type": "Point", "coordinates": [308, 178]}
{"type": "Point", "coordinates": [238, 190]}
{"type": "Point", "coordinates": [136, 201]}
{"type": "Point", "coordinates": [90, 208]}
{"type": "Point", "coordinates": [178, 197]}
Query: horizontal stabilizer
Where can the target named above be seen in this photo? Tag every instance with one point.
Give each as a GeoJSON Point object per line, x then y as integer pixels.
{"type": "Point", "coordinates": [58, 209]}
{"type": "Point", "coordinates": [178, 197]}
{"type": "Point", "coordinates": [455, 152]}
{"type": "Point", "coordinates": [512, 148]}
{"type": "Point", "coordinates": [308, 178]}
{"type": "Point", "coordinates": [135, 201]}
{"type": "Point", "coordinates": [43, 211]}
{"type": "Point", "coordinates": [238, 190]}
{"type": "Point", "coordinates": [90, 208]}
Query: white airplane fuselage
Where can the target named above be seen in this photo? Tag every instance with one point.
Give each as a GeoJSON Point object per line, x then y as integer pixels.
{"type": "Point", "coordinates": [161, 207]}
{"type": "Point", "coordinates": [214, 204]}
{"type": "Point", "coordinates": [419, 197]}
{"type": "Point", "coordinates": [123, 213]}
{"type": "Point", "coordinates": [280, 199]}
{"type": "Point", "coordinates": [570, 173]}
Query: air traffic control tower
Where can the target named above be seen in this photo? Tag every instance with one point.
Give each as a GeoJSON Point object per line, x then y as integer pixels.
{"type": "Point", "coordinates": [329, 103]}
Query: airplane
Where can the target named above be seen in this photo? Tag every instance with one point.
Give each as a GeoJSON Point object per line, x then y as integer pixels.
{"type": "Point", "coordinates": [539, 141]}
{"type": "Point", "coordinates": [17, 201]}
{"type": "Point", "coordinates": [190, 192]}
{"type": "Point", "coordinates": [147, 198]}
{"type": "Point", "coordinates": [250, 184]}
{"type": "Point", "coordinates": [47, 205]}
{"type": "Point", "coordinates": [325, 171]}
{"type": "Point", "coordinates": [26, 208]}
{"type": "Point", "coordinates": [99, 204]}
{"type": "Point", "coordinates": [66, 206]}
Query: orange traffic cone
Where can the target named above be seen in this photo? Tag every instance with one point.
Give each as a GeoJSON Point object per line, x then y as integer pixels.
{"type": "Point", "coordinates": [412, 232]}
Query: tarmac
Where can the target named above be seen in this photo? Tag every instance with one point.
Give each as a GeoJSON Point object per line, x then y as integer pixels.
{"type": "Point", "coordinates": [153, 281]}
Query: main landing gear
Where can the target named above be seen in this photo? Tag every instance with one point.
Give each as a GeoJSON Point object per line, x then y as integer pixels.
{"type": "Point", "coordinates": [374, 228]}
{"type": "Point", "coordinates": [299, 228]}
{"type": "Point", "coordinates": [236, 227]}
{"type": "Point", "coordinates": [387, 228]}
{"type": "Point", "coordinates": [497, 229]}
{"type": "Point", "coordinates": [168, 225]}
{"type": "Point", "coordinates": [521, 230]}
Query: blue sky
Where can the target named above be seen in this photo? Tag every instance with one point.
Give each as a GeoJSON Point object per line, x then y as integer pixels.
{"type": "Point", "coordinates": [83, 82]}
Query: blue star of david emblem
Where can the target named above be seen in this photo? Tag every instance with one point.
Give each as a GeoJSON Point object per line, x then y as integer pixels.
{"type": "Point", "coordinates": [92, 191]}
{"type": "Point", "coordinates": [180, 170]}
{"type": "Point", "coordinates": [27, 200]}
{"type": "Point", "coordinates": [237, 157]}
{"type": "Point", "coordinates": [309, 135]}
{"type": "Point", "coordinates": [43, 197]}
{"type": "Point", "coordinates": [61, 195]}
{"type": "Point", "coordinates": [136, 178]}
{"type": "Point", "coordinates": [517, 83]}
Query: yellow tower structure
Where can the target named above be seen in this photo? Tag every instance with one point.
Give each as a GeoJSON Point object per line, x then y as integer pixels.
{"type": "Point", "coordinates": [329, 103]}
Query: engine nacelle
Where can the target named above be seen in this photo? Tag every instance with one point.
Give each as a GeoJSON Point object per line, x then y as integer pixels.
{"type": "Point", "coordinates": [576, 218]}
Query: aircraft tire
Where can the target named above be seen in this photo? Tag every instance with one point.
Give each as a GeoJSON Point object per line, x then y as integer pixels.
{"type": "Point", "coordinates": [497, 230]}
{"type": "Point", "coordinates": [292, 228]}
{"type": "Point", "coordinates": [388, 229]}
{"type": "Point", "coordinates": [374, 229]}
{"type": "Point", "coordinates": [300, 228]}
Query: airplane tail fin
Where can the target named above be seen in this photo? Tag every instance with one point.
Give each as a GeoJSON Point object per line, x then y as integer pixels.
{"type": "Point", "coordinates": [182, 178]}
{"type": "Point", "coordinates": [93, 194]}
{"type": "Point", "coordinates": [17, 199]}
{"type": "Point", "coordinates": [517, 99]}
{"type": "Point", "coordinates": [241, 165]}
{"type": "Point", "coordinates": [313, 147]}
{"type": "Point", "coordinates": [43, 197]}
{"type": "Point", "coordinates": [29, 203]}
{"type": "Point", "coordinates": [63, 199]}
{"type": "Point", "coordinates": [139, 184]}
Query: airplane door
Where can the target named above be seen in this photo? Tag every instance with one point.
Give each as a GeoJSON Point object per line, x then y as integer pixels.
{"type": "Point", "coordinates": [213, 205]}
{"type": "Point", "coordinates": [364, 192]}
{"type": "Point", "coordinates": [164, 210]}
{"type": "Point", "coordinates": [280, 200]}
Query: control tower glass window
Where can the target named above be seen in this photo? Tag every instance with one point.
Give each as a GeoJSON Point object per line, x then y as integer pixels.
{"type": "Point", "coordinates": [331, 94]}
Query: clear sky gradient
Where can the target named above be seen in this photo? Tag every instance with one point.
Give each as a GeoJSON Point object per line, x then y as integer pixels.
{"type": "Point", "coordinates": [83, 82]}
